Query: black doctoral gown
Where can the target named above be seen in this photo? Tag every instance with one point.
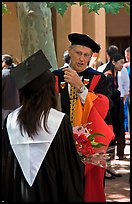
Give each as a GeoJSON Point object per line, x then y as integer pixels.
{"type": "Point", "coordinates": [102, 87]}
{"type": "Point", "coordinates": [59, 178]}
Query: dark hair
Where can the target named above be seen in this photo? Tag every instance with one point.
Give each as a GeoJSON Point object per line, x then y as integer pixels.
{"type": "Point", "coordinates": [116, 57]}
{"type": "Point", "coordinates": [66, 57]}
{"type": "Point", "coordinates": [8, 60]}
{"type": "Point", "coordinates": [37, 98]}
{"type": "Point", "coordinates": [111, 50]}
{"type": "Point", "coordinates": [110, 65]}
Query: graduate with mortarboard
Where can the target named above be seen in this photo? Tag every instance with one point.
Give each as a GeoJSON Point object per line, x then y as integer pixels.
{"type": "Point", "coordinates": [39, 158]}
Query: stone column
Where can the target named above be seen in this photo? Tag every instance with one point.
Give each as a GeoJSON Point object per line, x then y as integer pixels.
{"type": "Point", "coordinates": [94, 25]}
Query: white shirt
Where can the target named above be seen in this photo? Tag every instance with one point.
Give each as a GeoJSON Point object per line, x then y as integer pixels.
{"type": "Point", "coordinates": [102, 67]}
{"type": "Point", "coordinates": [123, 82]}
{"type": "Point", "coordinates": [81, 95]}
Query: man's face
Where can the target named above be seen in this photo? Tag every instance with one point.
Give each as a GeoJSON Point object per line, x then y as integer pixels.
{"type": "Point", "coordinates": [4, 65]}
{"type": "Point", "coordinates": [80, 56]}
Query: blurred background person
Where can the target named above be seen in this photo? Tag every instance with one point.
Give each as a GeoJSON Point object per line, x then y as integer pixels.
{"type": "Point", "coordinates": [127, 57]}
{"type": "Point", "coordinates": [124, 88]}
{"type": "Point", "coordinates": [7, 61]}
{"type": "Point", "coordinates": [95, 61]}
{"type": "Point", "coordinates": [66, 59]}
{"type": "Point", "coordinates": [10, 95]}
{"type": "Point", "coordinates": [110, 51]}
{"type": "Point", "coordinates": [127, 99]}
{"type": "Point", "coordinates": [117, 112]}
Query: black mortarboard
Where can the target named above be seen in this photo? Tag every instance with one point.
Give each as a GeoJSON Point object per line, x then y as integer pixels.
{"type": "Point", "coordinates": [30, 69]}
{"type": "Point", "coordinates": [84, 40]}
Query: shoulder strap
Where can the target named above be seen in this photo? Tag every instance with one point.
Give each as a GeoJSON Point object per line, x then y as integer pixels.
{"type": "Point", "coordinates": [94, 82]}
{"type": "Point", "coordinates": [57, 84]}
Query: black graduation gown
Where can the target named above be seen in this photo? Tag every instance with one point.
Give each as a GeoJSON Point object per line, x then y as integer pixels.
{"type": "Point", "coordinates": [59, 179]}
{"type": "Point", "coordinates": [102, 87]}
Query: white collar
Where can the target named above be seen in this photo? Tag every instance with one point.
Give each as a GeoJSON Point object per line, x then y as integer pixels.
{"type": "Point", "coordinates": [31, 152]}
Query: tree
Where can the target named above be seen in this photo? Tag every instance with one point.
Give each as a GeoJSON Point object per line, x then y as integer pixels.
{"type": "Point", "coordinates": [34, 20]}
{"type": "Point", "coordinates": [36, 28]}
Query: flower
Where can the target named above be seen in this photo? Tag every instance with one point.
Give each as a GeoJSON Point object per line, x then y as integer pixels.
{"type": "Point", "coordinates": [86, 145]}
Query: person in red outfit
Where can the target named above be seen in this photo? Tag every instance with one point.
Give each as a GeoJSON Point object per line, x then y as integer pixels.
{"type": "Point", "coordinates": [92, 104]}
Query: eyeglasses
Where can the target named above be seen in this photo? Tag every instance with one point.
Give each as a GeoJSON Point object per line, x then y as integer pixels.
{"type": "Point", "coordinates": [79, 53]}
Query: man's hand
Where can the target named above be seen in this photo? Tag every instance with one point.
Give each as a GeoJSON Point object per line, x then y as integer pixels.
{"type": "Point", "coordinates": [71, 77]}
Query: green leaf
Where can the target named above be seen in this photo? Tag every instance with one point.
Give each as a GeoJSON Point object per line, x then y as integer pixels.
{"type": "Point", "coordinates": [71, 3]}
{"type": "Point", "coordinates": [94, 7]}
{"type": "Point", "coordinates": [97, 145]}
{"type": "Point", "coordinates": [4, 8]}
{"type": "Point", "coordinates": [113, 7]}
{"type": "Point", "coordinates": [127, 7]}
{"type": "Point", "coordinates": [61, 7]}
{"type": "Point", "coordinates": [82, 3]}
{"type": "Point", "coordinates": [91, 137]}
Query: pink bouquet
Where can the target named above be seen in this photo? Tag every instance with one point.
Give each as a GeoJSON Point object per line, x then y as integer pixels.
{"type": "Point", "coordinates": [86, 144]}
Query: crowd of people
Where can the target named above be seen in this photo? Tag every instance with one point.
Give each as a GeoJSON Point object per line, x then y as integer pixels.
{"type": "Point", "coordinates": [40, 161]}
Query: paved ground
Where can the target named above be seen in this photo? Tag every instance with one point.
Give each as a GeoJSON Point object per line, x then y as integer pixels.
{"type": "Point", "coordinates": [118, 189]}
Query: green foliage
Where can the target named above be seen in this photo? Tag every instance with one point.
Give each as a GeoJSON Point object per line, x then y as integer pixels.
{"type": "Point", "coordinates": [4, 8]}
{"type": "Point", "coordinates": [82, 3]}
{"type": "Point", "coordinates": [127, 7]}
{"type": "Point", "coordinates": [93, 7]}
{"type": "Point", "coordinates": [112, 7]}
{"type": "Point", "coordinates": [61, 7]}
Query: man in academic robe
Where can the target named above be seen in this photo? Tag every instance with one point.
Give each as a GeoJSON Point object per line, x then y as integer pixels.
{"type": "Point", "coordinates": [90, 104]}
